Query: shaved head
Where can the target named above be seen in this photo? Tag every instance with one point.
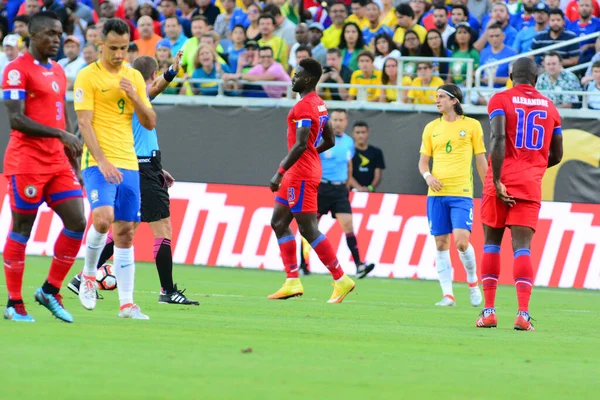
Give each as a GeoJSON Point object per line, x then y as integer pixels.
{"type": "Point", "coordinates": [525, 71]}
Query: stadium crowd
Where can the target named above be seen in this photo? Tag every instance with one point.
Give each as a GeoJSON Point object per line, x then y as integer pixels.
{"type": "Point", "coordinates": [360, 42]}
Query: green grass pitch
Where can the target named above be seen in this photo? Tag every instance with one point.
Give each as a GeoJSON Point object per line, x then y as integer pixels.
{"type": "Point", "coordinates": [386, 341]}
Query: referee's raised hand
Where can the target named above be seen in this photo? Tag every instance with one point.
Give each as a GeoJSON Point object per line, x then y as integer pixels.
{"type": "Point", "coordinates": [177, 61]}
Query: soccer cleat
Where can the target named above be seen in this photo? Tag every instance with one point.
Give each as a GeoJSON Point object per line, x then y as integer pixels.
{"type": "Point", "coordinates": [53, 302]}
{"type": "Point", "coordinates": [87, 292]}
{"type": "Point", "coordinates": [487, 319]}
{"type": "Point", "coordinates": [447, 301]}
{"type": "Point", "coordinates": [132, 311]}
{"type": "Point", "coordinates": [475, 296]}
{"type": "Point", "coordinates": [291, 288]}
{"type": "Point", "coordinates": [523, 322]}
{"type": "Point", "coordinates": [73, 286]}
{"type": "Point", "coordinates": [17, 313]}
{"type": "Point", "coordinates": [176, 297]}
{"type": "Point", "coordinates": [341, 288]}
{"type": "Point", "coordinates": [364, 269]}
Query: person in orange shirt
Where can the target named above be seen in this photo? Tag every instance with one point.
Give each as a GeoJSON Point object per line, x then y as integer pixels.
{"type": "Point", "coordinates": [148, 39]}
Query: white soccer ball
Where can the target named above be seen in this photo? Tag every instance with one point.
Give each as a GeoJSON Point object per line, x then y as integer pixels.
{"type": "Point", "coordinates": [106, 278]}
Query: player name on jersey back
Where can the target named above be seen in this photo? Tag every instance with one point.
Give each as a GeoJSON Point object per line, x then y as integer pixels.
{"type": "Point", "coordinates": [529, 102]}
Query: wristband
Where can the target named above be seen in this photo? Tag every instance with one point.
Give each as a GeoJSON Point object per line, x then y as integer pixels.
{"type": "Point", "coordinates": [281, 170]}
{"type": "Point", "coordinates": [426, 175]}
{"type": "Point", "coordinates": [169, 75]}
{"type": "Point", "coordinates": [371, 188]}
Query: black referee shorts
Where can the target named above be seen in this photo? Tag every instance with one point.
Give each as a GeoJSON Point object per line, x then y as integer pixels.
{"type": "Point", "coordinates": [154, 189]}
{"type": "Point", "coordinates": [333, 198]}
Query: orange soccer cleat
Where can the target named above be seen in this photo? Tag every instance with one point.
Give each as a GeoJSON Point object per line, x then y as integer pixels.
{"type": "Point", "coordinates": [487, 319]}
{"type": "Point", "coordinates": [291, 288]}
{"type": "Point", "coordinates": [523, 322]}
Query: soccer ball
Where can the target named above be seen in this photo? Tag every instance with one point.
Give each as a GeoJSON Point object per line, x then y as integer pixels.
{"type": "Point", "coordinates": [106, 278]}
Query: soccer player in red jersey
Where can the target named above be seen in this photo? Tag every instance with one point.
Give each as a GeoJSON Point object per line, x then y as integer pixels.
{"type": "Point", "coordinates": [526, 139]}
{"type": "Point", "coordinates": [40, 163]}
{"type": "Point", "coordinates": [297, 180]}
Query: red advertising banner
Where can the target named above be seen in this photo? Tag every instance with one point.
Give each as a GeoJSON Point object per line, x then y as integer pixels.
{"type": "Point", "coordinates": [229, 225]}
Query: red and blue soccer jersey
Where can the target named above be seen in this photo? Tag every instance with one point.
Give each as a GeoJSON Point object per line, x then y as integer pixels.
{"type": "Point", "coordinates": [531, 121]}
{"type": "Point", "coordinates": [42, 88]}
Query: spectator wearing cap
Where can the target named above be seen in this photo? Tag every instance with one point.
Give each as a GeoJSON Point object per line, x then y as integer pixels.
{"type": "Point", "coordinates": [148, 38]}
{"type": "Point", "coordinates": [499, 15]}
{"type": "Point", "coordinates": [556, 34]}
{"type": "Point", "coordinates": [587, 24]}
{"type": "Point", "coordinates": [558, 81]}
{"type": "Point", "coordinates": [301, 40]}
{"type": "Point", "coordinates": [335, 72]}
{"type": "Point", "coordinates": [365, 75]}
{"type": "Point", "coordinates": [73, 61]}
{"type": "Point", "coordinates": [284, 28]}
{"type": "Point", "coordinates": [315, 35]}
{"type": "Point", "coordinates": [375, 26]}
{"type": "Point", "coordinates": [238, 39]}
{"type": "Point", "coordinates": [207, 9]}
{"type": "Point", "coordinates": [359, 13]}
{"type": "Point", "coordinates": [266, 23]}
{"type": "Point", "coordinates": [168, 8]}
{"type": "Point", "coordinates": [10, 48]}
{"type": "Point", "coordinates": [164, 52]}
{"type": "Point", "coordinates": [524, 39]}
{"type": "Point", "coordinates": [174, 34]}
{"type": "Point", "coordinates": [338, 15]}
{"type": "Point", "coordinates": [132, 53]}
{"type": "Point", "coordinates": [406, 21]}
{"type": "Point", "coordinates": [249, 58]}
{"type": "Point", "coordinates": [222, 23]}
{"type": "Point", "coordinates": [90, 53]}
{"type": "Point", "coordinates": [424, 79]}
{"type": "Point", "coordinates": [525, 19]}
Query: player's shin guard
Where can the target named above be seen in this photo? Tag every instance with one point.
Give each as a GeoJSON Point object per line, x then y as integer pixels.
{"type": "Point", "coordinates": [125, 273]}
{"type": "Point", "coordinates": [163, 256]}
{"type": "Point", "coordinates": [287, 246]}
{"type": "Point", "coordinates": [65, 251]}
{"type": "Point", "coordinates": [353, 246]}
{"type": "Point", "coordinates": [107, 251]}
{"type": "Point", "coordinates": [444, 270]}
{"type": "Point", "coordinates": [468, 259]}
{"type": "Point", "coordinates": [327, 256]}
{"type": "Point", "coordinates": [94, 245]}
{"type": "Point", "coordinates": [490, 270]}
{"type": "Point", "coordinates": [523, 274]}
{"type": "Point", "coordinates": [14, 265]}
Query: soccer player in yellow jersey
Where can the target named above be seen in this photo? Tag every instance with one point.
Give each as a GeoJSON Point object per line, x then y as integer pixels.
{"type": "Point", "coordinates": [107, 93]}
{"type": "Point", "coordinates": [451, 140]}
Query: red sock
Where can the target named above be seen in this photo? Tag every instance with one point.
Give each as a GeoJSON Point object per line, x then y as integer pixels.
{"type": "Point", "coordinates": [490, 270]}
{"type": "Point", "coordinates": [287, 246]}
{"type": "Point", "coordinates": [523, 274]}
{"type": "Point", "coordinates": [14, 264]}
{"type": "Point", "coordinates": [65, 251]}
{"type": "Point", "coordinates": [327, 256]}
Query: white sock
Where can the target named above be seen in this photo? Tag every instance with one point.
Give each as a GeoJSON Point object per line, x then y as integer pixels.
{"type": "Point", "coordinates": [93, 248]}
{"type": "Point", "coordinates": [444, 270]}
{"type": "Point", "coordinates": [125, 272]}
{"type": "Point", "coordinates": [468, 259]}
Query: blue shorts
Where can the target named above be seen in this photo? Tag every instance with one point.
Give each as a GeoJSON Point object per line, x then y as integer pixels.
{"type": "Point", "coordinates": [446, 213]}
{"type": "Point", "coordinates": [124, 197]}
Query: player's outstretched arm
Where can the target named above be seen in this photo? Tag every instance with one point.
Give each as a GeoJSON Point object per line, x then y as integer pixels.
{"type": "Point", "coordinates": [497, 153]}
{"type": "Point", "coordinates": [556, 151]}
{"type": "Point", "coordinates": [328, 138]}
{"type": "Point", "coordinates": [163, 81]}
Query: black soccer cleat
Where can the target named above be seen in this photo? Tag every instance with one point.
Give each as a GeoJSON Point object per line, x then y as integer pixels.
{"type": "Point", "coordinates": [364, 269]}
{"type": "Point", "coordinates": [176, 297]}
{"type": "Point", "coordinates": [74, 287]}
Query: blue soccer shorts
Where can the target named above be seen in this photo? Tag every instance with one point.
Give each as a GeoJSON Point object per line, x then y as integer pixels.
{"type": "Point", "coordinates": [124, 197]}
{"type": "Point", "coordinates": [446, 213]}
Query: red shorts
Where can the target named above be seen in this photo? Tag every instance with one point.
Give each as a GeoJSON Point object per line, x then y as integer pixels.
{"type": "Point", "coordinates": [299, 196]}
{"type": "Point", "coordinates": [496, 214]}
{"type": "Point", "coordinates": [28, 191]}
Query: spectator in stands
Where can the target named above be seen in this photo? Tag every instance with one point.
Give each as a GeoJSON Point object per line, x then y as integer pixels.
{"type": "Point", "coordinates": [212, 39]}
{"type": "Point", "coordinates": [368, 163]}
{"type": "Point", "coordinates": [572, 9]}
{"type": "Point", "coordinates": [424, 79]}
{"type": "Point", "coordinates": [10, 50]}
{"type": "Point", "coordinates": [284, 28]}
{"type": "Point", "coordinates": [266, 70]}
{"type": "Point", "coordinates": [206, 66]}
{"type": "Point", "coordinates": [92, 35]}
{"type": "Point", "coordinates": [588, 73]}
{"type": "Point", "coordinates": [241, 14]}
{"type": "Point", "coordinates": [390, 77]}
{"type": "Point", "coordinates": [168, 8]}
{"type": "Point", "coordinates": [587, 24]}
{"type": "Point", "coordinates": [351, 44]}
{"type": "Point", "coordinates": [32, 7]}
{"type": "Point", "coordinates": [365, 75]}
{"type": "Point", "coordinates": [388, 13]}
{"type": "Point", "coordinates": [555, 5]}
{"type": "Point", "coordinates": [266, 22]}
{"type": "Point", "coordinates": [558, 81]}
{"type": "Point", "coordinates": [375, 27]}
{"type": "Point", "coordinates": [223, 21]}
{"type": "Point", "coordinates": [464, 49]}
{"type": "Point", "coordinates": [525, 19]}
{"type": "Point", "coordinates": [20, 26]}
{"type": "Point", "coordinates": [77, 10]}
{"type": "Point", "coordinates": [148, 38]}
{"type": "Point", "coordinates": [318, 49]}
{"type": "Point", "coordinates": [187, 8]}
{"type": "Point", "coordinates": [460, 16]}
{"type": "Point", "coordinates": [499, 15]}
{"type": "Point", "coordinates": [359, 13]}
{"type": "Point", "coordinates": [238, 38]}
{"type": "Point", "coordinates": [73, 62]}
{"type": "Point", "coordinates": [525, 37]}
{"type": "Point", "coordinates": [440, 19]}
{"type": "Point", "coordinates": [557, 33]}
{"type": "Point", "coordinates": [207, 9]}
{"type": "Point", "coordinates": [406, 21]}
{"type": "Point", "coordinates": [190, 47]}
{"type": "Point", "coordinates": [57, 8]}
{"type": "Point", "coordinates": [249, 58]}
{"type": "Point", "coordinates": [253, 29]}
{"type": "Point", "coordinates": [594, 87]}
{"type": "Point", "coordinates": [164, 54]}
{"type": "Point", "coordinates": [419, 7]}
{"type": "Point", "coordinates": [301, 40]}
{"type": "Point", "coordinates": [302, 53]}
{"type": "Point", "coordinates": [434, 48]}
{"type": "Point", "coordinates": [470, 18]}
{"type": "Point", "coordinates": [90, 53]}
{"type": "Point", "coordinates": [428, 20]}
{"type": "Point", "coordinates": [384, 49]}
{"type": "Point", "coordinates": [174, 34]}
{"type": "Point", "coordinates": [496, 51]}
{"type": "Point", "coordinates": [479, 8]}
{"type": "Point", "coordinates": [332, 35]}
{"type": "Point", "coordinates": [147, 9]}
{"type": "Point", "coordinates": [132, 53]}
{"type": "Point", "coordinates": [410, 48]}
{"type": "Point", "coordinates": [335, 72]}
{"type": "Point", "coordinates": [108, 10]}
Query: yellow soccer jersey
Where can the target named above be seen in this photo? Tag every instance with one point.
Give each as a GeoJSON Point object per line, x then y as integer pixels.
{"type": "Point", "coordinates": [452, 145]}
{"type": "Point", "coordinates": [98, 90]}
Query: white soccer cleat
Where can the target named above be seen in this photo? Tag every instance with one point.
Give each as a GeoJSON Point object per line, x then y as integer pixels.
{"type": "Point", "coordinates": [475, 296]}
{"type": "Point", "coordinates": [447, 301]}
{"type": "Point", "coordinates": [87, 292]}
{"type": "Point", "coordinates": [132, 311]}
